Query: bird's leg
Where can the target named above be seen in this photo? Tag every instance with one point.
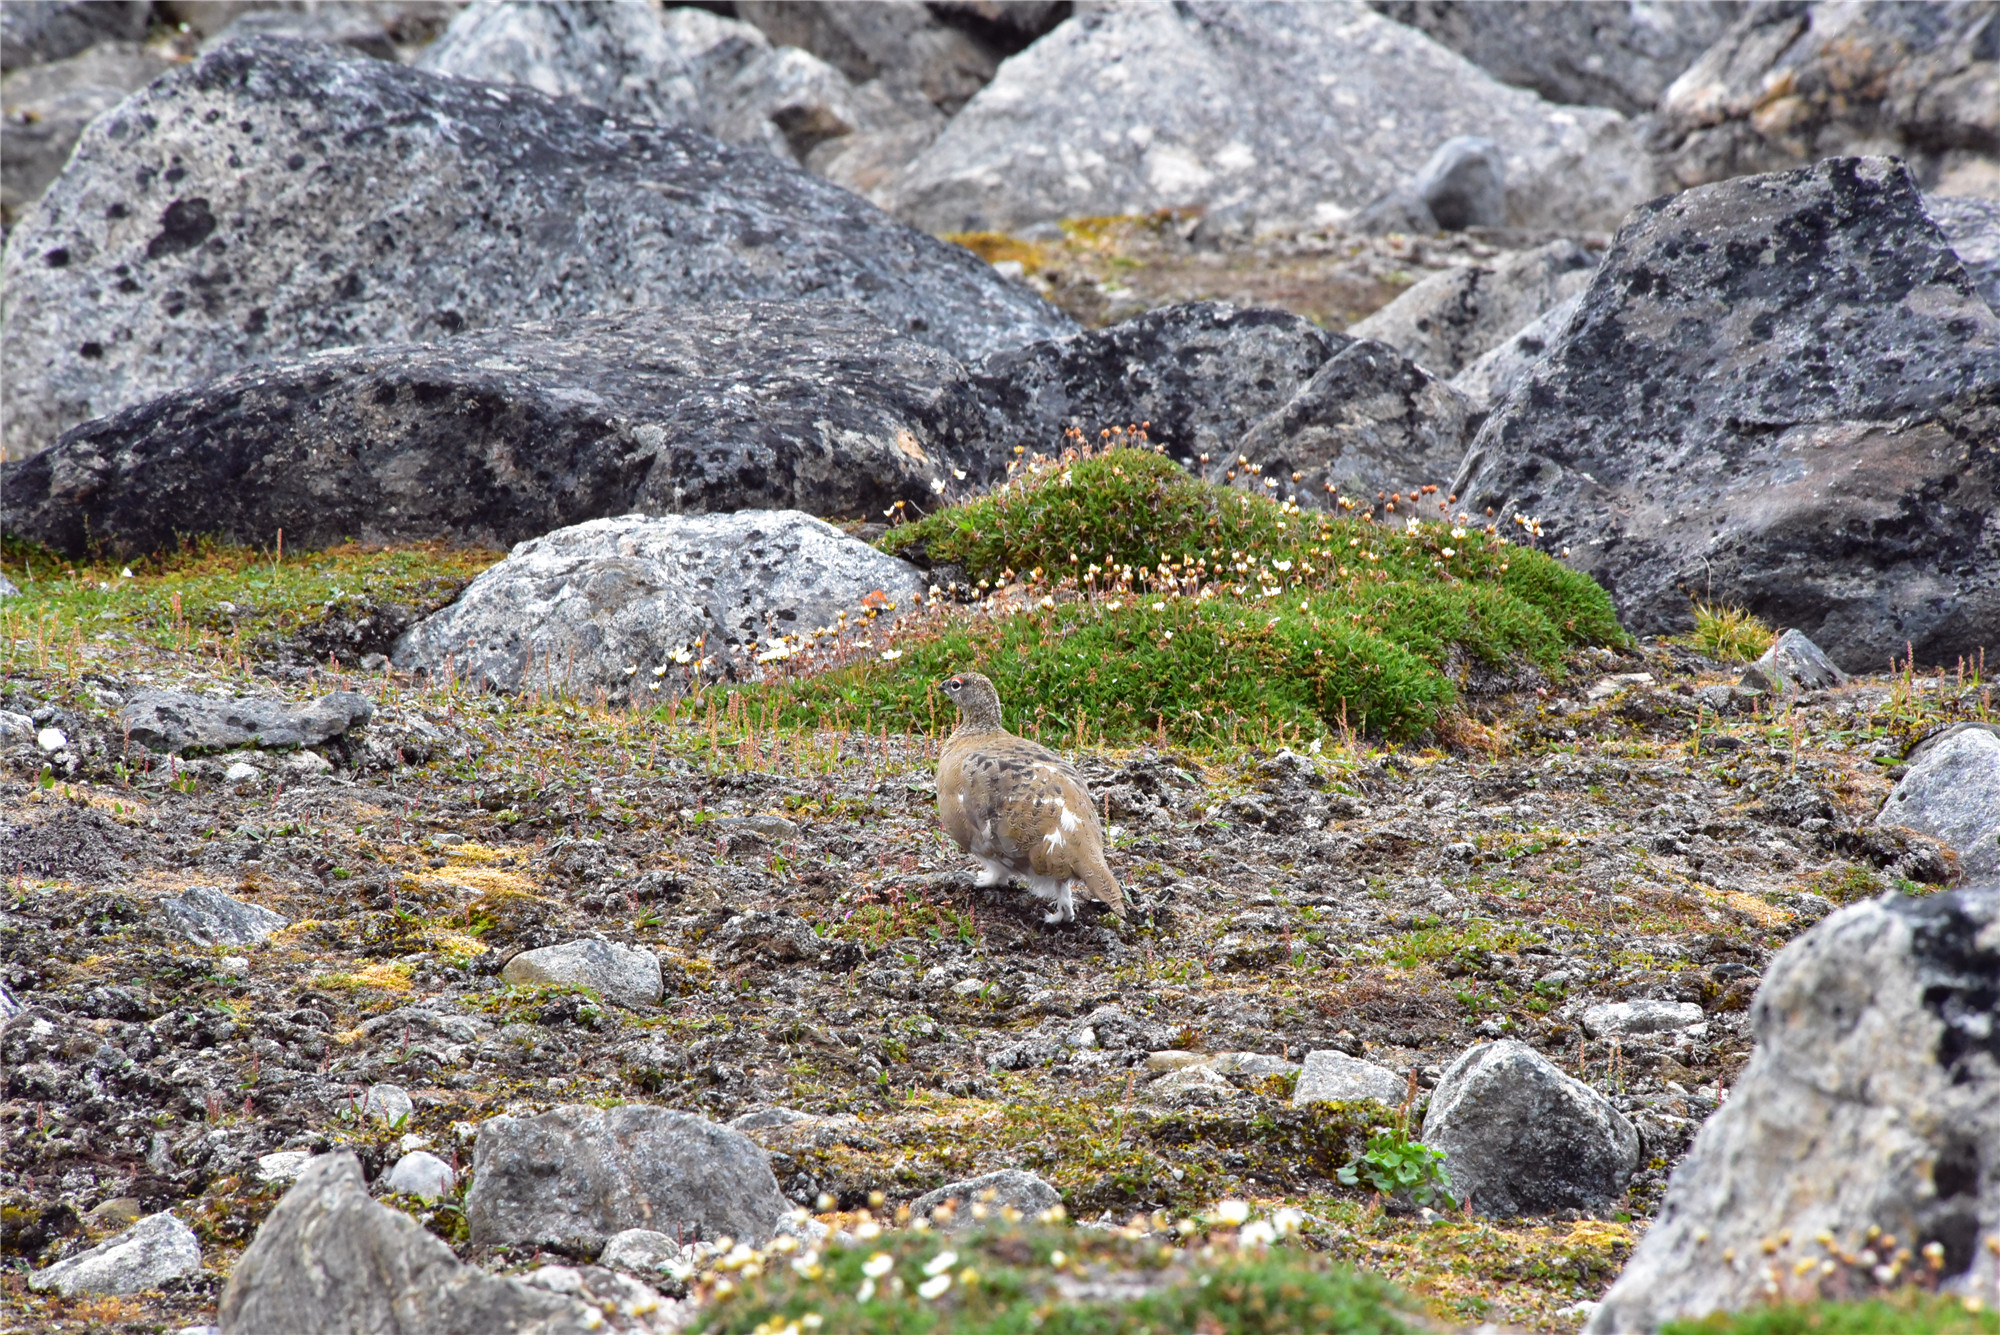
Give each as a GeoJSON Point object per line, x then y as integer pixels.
{"type": "Point", "coordinates": [1054, 916]}
{"type": "Point", "coordinates": [990, 873]}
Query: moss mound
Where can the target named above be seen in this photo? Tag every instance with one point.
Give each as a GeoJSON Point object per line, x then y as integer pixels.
{"type": "Point", "coordinates": [1908, 1313]}
{"type": "Point", "coordinates": [1141, 602]}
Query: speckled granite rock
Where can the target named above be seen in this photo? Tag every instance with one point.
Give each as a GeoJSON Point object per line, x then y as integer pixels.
{"type": "Point", "coordinates": [272, 199]}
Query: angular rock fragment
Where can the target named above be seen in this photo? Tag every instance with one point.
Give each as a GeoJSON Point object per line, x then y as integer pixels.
{"type": "Point", "coordinates": [272, 199]}
{"type": "Point", "coordinates": [1793, 663]}
{"type": "Point", "coordinates": [56, 29]}
{"type": "Point", "coordinates": [629, 605]}
{"type": "Point", "coordinates": [1872, 1101]}
{"type": "Point", "coordinates": [329, 1258]}
{"type": "Point", "coordinates": [148, 1254]}
{"type": "Point", "coordinates": [1790, 84]}
{"type": "Point", "coordinates": [207, 917]}
{"type": "Point", "coordinates": [1457, 315]}
{"type": "Point", "coordinates": [987, 1195]}
{"type": "Point", "coordinates": [180, 722]}
{"type": "Point", "coordinates": [1972, 227]}
{"type": "Point", "coordinates": [1197, 376]}
{"type": "Point", "coordinates": [1520, 1137]}
{"type": "Point", "coordinates": [1494, 374]}
{"type": "Point", "coordinates": [1370, 420]}
{"type": "Point", "coordinates": [617, 973]}
{"type": "Point", "coordinates": [573, 1176]}
{"type": "Point", "coordinates": [1599, 53]}
{"type": "Point", "coordinates": [1818, 456]}
{"type": "Point", "coordinates": [421, 1173]}
{"type": "Point", "coordinates": [1331, 1077]}
{"type": "Point", "coordinates": [1952, 793]}
{"type": "Point", "coordinates": [1268, 111]}
{"type": "Point", "coordinates": [46, 108]}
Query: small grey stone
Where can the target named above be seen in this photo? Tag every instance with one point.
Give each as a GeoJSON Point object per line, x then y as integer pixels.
{"type": "Point", "coordinates": [642, 1250]}
{"type": "Point", "coordinates": [1253, 1065]}
{"type": "Point", "coordinates": [619, 974]}
{"type": "Point", "coordinates": [282, 1166]}
{"type": "Point", "coordinates": [1191, 1077]}
{"type": "Point", "coordinates": [148, 1254]}
{"type": "Point", "coordinates": [1642, 1017]}
{"type": "Point", "coordinates": [1331, 1076]}
{"type": "Point", "coordinates": [180, 722]}
{"type": "Point", "coordinates": [242, 772]}
{"type": "Point", "coordinates": [421, 1173]}
{"type": "Point", "coordinates": [575, 1175]}
{"type": "Point", "coordinates": [1465, 184]}
{"type": "Point", "coordinates": [15, 728]}
{"type": "Point", "coordinates": [51, 739]}
{"type": "Point", "coordinates": [1794, 662]}
{"type": "Point", "coordinates": [207, 917]}
{"type": "Point", "coordinates": [390, 1104]}
{"type": "Point", "coordinates": [1952, 793]}
{"type": "Point", "coordinates": [329, 1258]}
{"type": "Point", "coordinates": [1520, 1137]}
{"type": "Point", "coordinates": [1010, 1187]}
{"type": "Point", "coordinates": [766, 1119]}
{"type": "Point", "coordinates": [1972, 226]}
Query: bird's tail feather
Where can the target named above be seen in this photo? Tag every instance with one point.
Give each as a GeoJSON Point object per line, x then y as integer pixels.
{"type": "Point", "coordinates": [1101, 886]}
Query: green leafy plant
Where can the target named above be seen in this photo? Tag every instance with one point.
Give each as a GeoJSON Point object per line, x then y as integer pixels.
{"type": "Point", "coordinates": [1910, 1313]}
{"type": "Point", "coordinates": [1394, 1164]}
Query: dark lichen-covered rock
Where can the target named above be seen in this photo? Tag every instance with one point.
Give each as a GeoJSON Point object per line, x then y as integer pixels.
{"type": "Point", "coordinates": [274, 198]}
{"type": "Point", "coordinates": [1200, 374]}
{"type": "Point", "coordinates": [1791, 83]}
{"type": "Point", "coordinates": [507, 434]}
{"type": "Point", "coordinates": [1781, 392]}
{"type": "Point", "coordinates": [1370, 420]}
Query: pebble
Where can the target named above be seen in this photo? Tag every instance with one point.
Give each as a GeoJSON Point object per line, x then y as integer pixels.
{"type": "Point", "coordinates": [389, 1103]}
{"type": "Point", "coordinates": [420, 1173]}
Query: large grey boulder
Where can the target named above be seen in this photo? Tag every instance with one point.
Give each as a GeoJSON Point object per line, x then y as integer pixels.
{"type": "Point", "coordinates": [507, 434]}
{"type": "Point", "coordinates": [331, 1259]}
{"type": "Point", "coordinates": [1521, 1138]}
{"type": "Point", "coordinates": [35, 34]}
{"type": "Point", "coordinates": [208, 917]}
{"type": "Point", "coordinates": [1456, 315]}
{"type": "Point", "coordinates": [1369, 420]}
{"type": "Point", "coordinates": [45, 108]}
{"type": "Point", "coordinates": [1971, 226]}
{"type": "Point", "coordinates": [1789, 84]}
{"type": "Point", "coordinates": [1872, 1101]}
{"type": "Point", "coordinates": [630, 604]}
{"type": "Point", "coordinates": [1197, 376]}
{"type": "Point", "coordinates": [1259, 110]}
{"type": "Point", "coordinates": [148, 1254]}
{"type": "Point", "coordinates": [1952, 793]}
{"type": "Point", "coordinates": [1815, 456]}
{"type": "Point", "coordinates": [574, 1175]}
{"type": "Point", "coordinates": [617, 973]}
{"type": "Point", "coordinates": [273, 198]}
{"type": "Point", "coordinates": [1495, 374]}
{"type": "Point", "coordinates": [180, 721]}
{"type": "Point", "coordinates": [1602, 53]}
{"type": "Point", "coordinates": [989, 1194]}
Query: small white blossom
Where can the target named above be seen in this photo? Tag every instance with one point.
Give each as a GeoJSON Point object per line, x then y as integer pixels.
{"type": "Point", "coordinates": [934, 1286]}
{"type": "Point", "coordinates": [877, 1265]}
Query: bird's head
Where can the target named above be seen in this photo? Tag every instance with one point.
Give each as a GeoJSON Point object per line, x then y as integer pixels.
{"type": "Point", "coordinates": [978, 703]}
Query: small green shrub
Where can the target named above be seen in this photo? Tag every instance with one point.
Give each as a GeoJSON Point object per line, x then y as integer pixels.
{"type": "Point", "coordinates": [1157, 604]}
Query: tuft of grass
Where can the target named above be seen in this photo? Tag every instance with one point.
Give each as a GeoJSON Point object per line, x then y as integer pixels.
{"type": "Point", "coordinates": [1728, 634]}
{"type": "Point", "coordinates": [1144, 602]}
{"type": "Point", "coordinates": [1909, 1313]}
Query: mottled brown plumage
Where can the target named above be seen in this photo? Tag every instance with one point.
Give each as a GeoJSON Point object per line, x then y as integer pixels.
{"type": "Point", "coordinates": [1019, 808]}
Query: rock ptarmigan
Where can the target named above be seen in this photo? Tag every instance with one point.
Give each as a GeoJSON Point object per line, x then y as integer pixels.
{"type": "Point", "coordinates": [1019, 808]}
